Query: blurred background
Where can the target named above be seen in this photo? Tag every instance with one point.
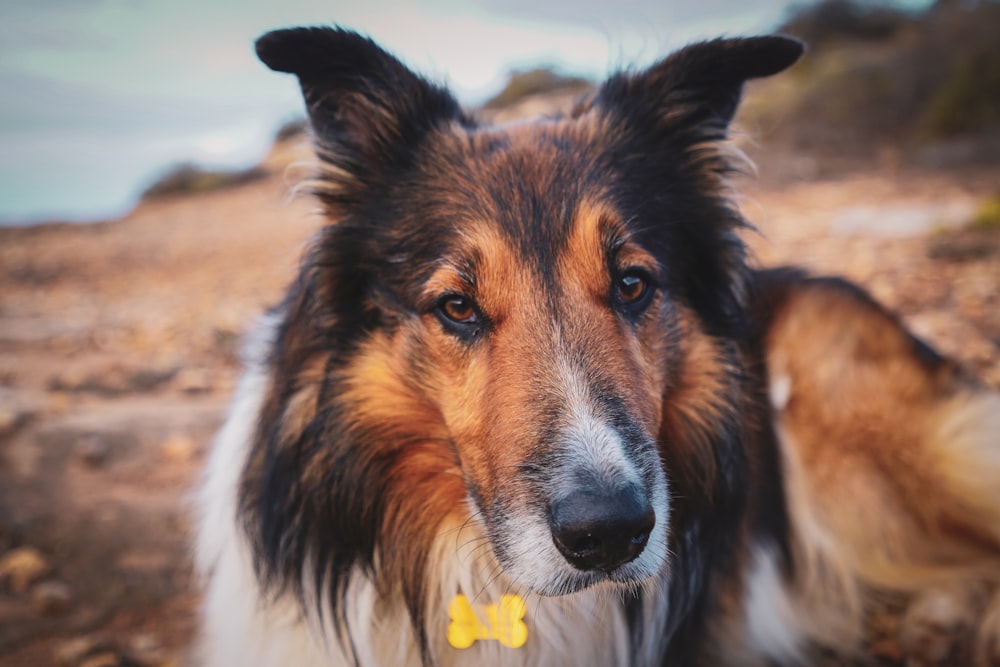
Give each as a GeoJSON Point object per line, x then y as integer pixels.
{"type": "Point", "coordinates": [102, 95]}
{"type": "Point", "coordinates": [146, 164]}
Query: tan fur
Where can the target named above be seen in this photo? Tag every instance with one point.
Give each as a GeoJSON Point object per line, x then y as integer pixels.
{"type": "Point", "coordinates": [703, 394]}
{"type": "Point", "coordinates": [891, 463]}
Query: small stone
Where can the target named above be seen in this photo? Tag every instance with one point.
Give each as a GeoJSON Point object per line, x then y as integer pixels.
{"type": "Point", "coordinates": [15, 410]}
{"type": "Point", "coordinates": [149, 379]}
{"type": "Point", "coordinates": [70, 380]}
{"type": "Point", "coordinates": [888, 649]}
{"type": "Point", "coordinates": [8, 420]}
{"type": "Point", "coordinates": [178, 449]}
{"type": "Point", "coordinates": [103, 659]}
{"type": "Point", "coordinates": [227, 338]}
{"type": "Point", "coordinates": [146, 650]}
{"type": "Point", "coordinates": [145, 643]}
{"type": "Point", "coordinates": [70, 653]}
{"type": "Point", "coordinates": [59, 401]}
{"type": "Point", "coordinates": [93, 451]}
{"type": "Point", "coordinates": [51, 598]}
{"type": "Point", "coordinates": [22, 567]}
{"type": "Point", "coordinates": [194, 380]}
{"type": "Point", "coordinates": [160, 661]}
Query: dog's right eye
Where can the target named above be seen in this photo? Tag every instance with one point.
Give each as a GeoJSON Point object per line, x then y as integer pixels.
{"type": "Point", "coordinates": [458, 310]}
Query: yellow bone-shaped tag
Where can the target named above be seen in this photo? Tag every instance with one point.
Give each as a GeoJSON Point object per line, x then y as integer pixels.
{"type": "Point", "coordinates": [503, 622]}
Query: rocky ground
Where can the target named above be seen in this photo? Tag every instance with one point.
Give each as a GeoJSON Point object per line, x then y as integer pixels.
{"type": "Point", "coordinates": [118, 352]}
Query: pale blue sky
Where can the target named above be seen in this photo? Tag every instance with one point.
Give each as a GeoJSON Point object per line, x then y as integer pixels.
{"type": "Point", "coordinates": [100, 95]}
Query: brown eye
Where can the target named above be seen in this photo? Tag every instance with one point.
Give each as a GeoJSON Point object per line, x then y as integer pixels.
{"type": "Point", "coordinates": [632, 287]}
{"type": "Point", "coordinates": [458, 309]}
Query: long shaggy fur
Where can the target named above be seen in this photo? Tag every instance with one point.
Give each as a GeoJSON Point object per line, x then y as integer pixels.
{"type": "Point", "coordinates": [532, 360]}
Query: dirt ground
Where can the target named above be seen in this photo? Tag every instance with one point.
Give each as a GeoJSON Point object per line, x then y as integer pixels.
{"type": "Point", "coordinates": [118, 353]}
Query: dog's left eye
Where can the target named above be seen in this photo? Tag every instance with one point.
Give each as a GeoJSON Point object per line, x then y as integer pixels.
{"type": "Point", "coordinates": [632, 288]}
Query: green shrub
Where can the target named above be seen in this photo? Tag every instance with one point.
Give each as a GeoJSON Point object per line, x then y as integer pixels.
{"type": "Point", "coordinates": [988, 214]}
{"type": "Point", "coordinates": [190, 179]}
{"type": "Point", "coordinates": [843, 20]}
{"type": "Point", "coordinates": [526, 83]}
{"type": "Point", "coordinates": [876, 76]}
{"type": "Point", "coordinates": [970, 99]}
{"type": "Point", "coordinates": [291, 130]}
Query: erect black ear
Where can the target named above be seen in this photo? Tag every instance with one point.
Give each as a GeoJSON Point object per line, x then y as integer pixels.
{"type": "Point", "coordinates": [369, 113]}
{"type": "Point", "coordinates": [669, 119]}
{"type": "Point", "coordinates": [700, 85]}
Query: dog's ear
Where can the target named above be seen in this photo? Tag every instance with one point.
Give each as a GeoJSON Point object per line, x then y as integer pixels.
{"type": "Point", "coordinates": [669, 121]}
{"type": "Point", "coordinates": [368, 111]}
{"type": "Point", "coordinates": [699, 86]}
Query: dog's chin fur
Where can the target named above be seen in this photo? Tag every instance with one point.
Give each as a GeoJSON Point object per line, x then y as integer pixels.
{"type": "Point", "coordinates": [531, 361]}
{"type": "Point", "coordinates": [544, 571]}
{"type": "Point", "coordinates": [530, 561]}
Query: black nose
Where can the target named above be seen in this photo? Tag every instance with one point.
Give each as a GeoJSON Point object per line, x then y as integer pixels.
{"type": "Point", "coordinates": [598, 530]}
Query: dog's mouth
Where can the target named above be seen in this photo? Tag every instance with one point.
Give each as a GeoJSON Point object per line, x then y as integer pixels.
{"type": "Point", "coordinates": [574, 495]}
{"type": "Point", "coordinates": [588, 535]}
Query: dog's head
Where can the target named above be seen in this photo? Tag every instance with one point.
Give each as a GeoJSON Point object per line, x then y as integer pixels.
{"type": "Point", "coordinates": [534, 319]}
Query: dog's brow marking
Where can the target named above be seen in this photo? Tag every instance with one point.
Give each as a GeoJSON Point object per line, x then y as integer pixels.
{"type": "Point", "coordinates": [584, 256]}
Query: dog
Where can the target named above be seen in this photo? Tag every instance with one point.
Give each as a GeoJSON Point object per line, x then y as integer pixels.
{"type": "Point", "coordinates": [527, 404]}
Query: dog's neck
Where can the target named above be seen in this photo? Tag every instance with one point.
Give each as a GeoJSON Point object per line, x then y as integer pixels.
{"type": "Point", "coordinates": [464, 566]}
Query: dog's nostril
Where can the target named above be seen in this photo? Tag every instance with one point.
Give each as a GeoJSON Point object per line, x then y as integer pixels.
{"type": "Point", "coordinates": [602, 531]}
{"type": "Point", "coordinates": [586, 544]}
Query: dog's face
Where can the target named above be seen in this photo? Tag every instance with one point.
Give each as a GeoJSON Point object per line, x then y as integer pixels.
{"type": "Point", "coordinates": [533, 317]}
{"type": "Point", "coordinates": [542, 331]}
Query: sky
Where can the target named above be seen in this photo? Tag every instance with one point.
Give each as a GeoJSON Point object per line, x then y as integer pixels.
{"type": "Point", "coordinates": [99, 97]}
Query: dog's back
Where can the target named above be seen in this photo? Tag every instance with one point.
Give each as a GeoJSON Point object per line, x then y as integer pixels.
{"type": "Point", "coordinates": [890, 461]}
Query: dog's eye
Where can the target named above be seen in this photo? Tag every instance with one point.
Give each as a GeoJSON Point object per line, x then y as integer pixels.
{"type": "Point", "coordinates": [632, 287]}
{"type": "Point", "coordinates": [458, 309]}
